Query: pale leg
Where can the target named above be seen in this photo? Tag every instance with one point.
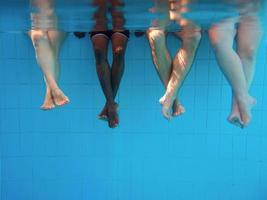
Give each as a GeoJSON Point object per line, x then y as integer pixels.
{"type": "Point", "coordinates": [47, 60]}
{"type": "Point", "coordinates": [182, 63]}
{"type": "Point", "coordinates": [162, 61]}
{"type": "Point", "coordinates": [56, 39]}
{"type": "Point", "coordinates": [249, 35]}
{"type": "Point", "coordinates": [222, 37]}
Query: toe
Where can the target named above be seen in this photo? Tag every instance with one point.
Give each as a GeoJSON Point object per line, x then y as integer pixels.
{"type": "Point", "coordinates": [102, 117]}
{"type": "Point", "coordinates": [236, 120]}
{"type": "Point", "coordinates": [162, 100]}
{"type": "Point", "coordinates": [166, 114]}
{"type": "Point", "coordinates": [238, 123]}
{"type": "Point", "coordinates": [113, 124]}
{"type": "Point", "coordinates": [47, 107]}
{"type": "Point", "coordinates": [62, 102]}
{"type": "Point", "coordinates": [179, 111]}
{"type": "Point", "coordinates": [112, 114]}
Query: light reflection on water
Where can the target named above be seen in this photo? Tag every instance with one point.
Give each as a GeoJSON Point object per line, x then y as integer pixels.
{"type": "Point", "coordinates": [73, 15]}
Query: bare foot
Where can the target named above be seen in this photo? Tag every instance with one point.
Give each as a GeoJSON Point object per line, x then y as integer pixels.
{"type": "Point", "coordinates": [59, 97]}
{"type": "Point", "coordinates": [234, 117]}
{"type": "Point", "coordinates": [177, 109]}
{"type": "Point", "coordinates": [113, 117]}
{"type": "Point", "coordinates": [166, 103]}
{"type": "Point", "coordinates": [103, 115]}
{"type": "Point", "coordinates": [48, 101]}
{"type": "Point", "coordinates": [236, 120]}
{"type": "Point", "coordinates": [245, 105]}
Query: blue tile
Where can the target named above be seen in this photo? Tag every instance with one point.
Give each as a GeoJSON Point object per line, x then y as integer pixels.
{"type": "Point", "coordinates": [253, 148]}
{"type": "Point", "coordinates": [226, 147]}
{"type": "Point", "coordinates": [10, 144]}
{"type": "Point", "coordinates": [13, 190]}
{"type": "Point", "coordinates": [155, 189]}
{"type": "Point", "coordinates": [17, 168]}
{"type": "Point", "coordinates": [202, 72]}
{"type": "Point", "coordinates": [24, 43]}
{"type": "Point", "coordinates": [240, 147]}
{"type": "Point", "coordinates": [9, 44]}
{"type": "Point", "coordinates": [10, 121]}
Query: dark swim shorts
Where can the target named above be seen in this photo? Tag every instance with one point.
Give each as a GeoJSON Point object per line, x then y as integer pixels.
{"type": "Point", "coordinates": [109, 33]}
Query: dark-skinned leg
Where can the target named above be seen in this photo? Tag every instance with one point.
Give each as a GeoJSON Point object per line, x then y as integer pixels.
{"type": "Point", "coordinates": [119, 44]}
{"type": "Point", "coordinates": [100, 45]}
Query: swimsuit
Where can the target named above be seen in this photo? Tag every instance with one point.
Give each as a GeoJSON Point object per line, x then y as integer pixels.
{"type": "Point", "coordinates": [109, 33]}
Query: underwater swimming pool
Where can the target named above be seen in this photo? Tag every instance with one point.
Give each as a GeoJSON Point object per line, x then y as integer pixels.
{"type": "Point", "coordinates": [67, 153]}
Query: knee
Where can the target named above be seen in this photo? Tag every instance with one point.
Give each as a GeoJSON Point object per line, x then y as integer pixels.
{"type": "Point", "coordinates": [37, 37]}
{"type": "Point", "coordinates": [191, 41]}
{"type": "Point", "coordinates": [155, 35]}
{"type": "Point", "coordinates": [248, 52]}
{"type": "Point", "coordinates": [220, 39]}
{"type": "Point", "coordinates": [118, 52]}
{"type": "Point", "coordinates": [214, 36]}
{"type": "Point", "coordinates": [195, 38]}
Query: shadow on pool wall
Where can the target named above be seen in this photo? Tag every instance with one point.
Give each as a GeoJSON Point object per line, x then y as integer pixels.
{"type": "Point", "coordinates": [69, 154]}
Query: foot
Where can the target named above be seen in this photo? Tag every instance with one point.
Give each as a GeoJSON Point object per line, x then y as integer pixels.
{"type": "Point", "coordinates": [113, 117]}
{"type": "Point", "coordinates": [234, 117]}
{"type": "Point", "coordinates": [177, 109]}
{"type": "Point", "coordinates": [236, 120]}
{"type": "Point", "coordinates": [59, 97]}
{"type": "Point", "coordinates": [245, 105]}
{"type": "Point", "coordinates": [103, 115]}
{"type": "Point", "coordinates": [166, 103]}
{"type": "Point", "coordinates": [48, 101]}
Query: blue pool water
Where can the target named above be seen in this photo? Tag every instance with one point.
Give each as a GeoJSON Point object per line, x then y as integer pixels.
{"type": "Point", "coordinates": [68, 154]}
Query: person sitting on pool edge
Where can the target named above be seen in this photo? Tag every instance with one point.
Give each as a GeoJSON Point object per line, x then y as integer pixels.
{"type": "Point", "coordinates": [109, 75]}
{"type": "Point", "coordinates": [47, 40]}
{"type": "Point", "coordinates": [172, 71]}
{"type": "Point", "coordinates": [238, 65]}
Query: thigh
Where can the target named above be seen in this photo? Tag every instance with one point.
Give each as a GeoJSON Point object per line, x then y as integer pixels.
{"type": "Point", "coordinates": [100, 44]}
{"type": "Point", "coordinates": [249, 34]}
{"type": "Point", "coordinates": [56, 38]}
{"type": "Point", "coordinates": [38, 36]}
{"type": "Point", "coordinates": [188, 29]}
{"type": "Point", "coordinates": [223, 33]}
{"type": "Point", "coordinates": [157, 39]}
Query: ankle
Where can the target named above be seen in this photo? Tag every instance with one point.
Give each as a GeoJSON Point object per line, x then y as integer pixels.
{"type": "Point", "coordinates": [53, 90]}
{"type": "Point", "coordinates": [110, 103]}
{"type": "Point", "coordinates": [242, 96]}
{"type": "Point", "coordinates": [112, 106]}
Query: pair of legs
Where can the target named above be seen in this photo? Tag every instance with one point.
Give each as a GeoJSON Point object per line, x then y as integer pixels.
{"type": "Point", "coordinates": [172, 72]}
{"type": "Point", "coordinates": [47, 46]}
{"type": "Point", "coordinates": [238, 65]}
{"type": "Point", "coordinates": [110, 76]}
